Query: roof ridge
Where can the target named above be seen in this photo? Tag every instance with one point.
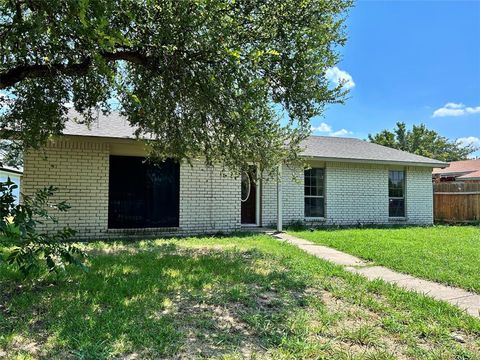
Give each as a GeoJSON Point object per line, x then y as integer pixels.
{"type": "Point", "coordinates": [337, 137]}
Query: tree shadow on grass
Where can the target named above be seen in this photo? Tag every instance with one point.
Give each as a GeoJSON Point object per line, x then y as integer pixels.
{"type": "Point", "coordinates": [193, 302]}
{"type": "Point", "coordinates": [216, 235]}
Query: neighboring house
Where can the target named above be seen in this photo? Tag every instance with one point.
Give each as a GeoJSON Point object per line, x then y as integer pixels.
{"type": "Point", "coordinates": [465, 171]}
{"type": "Point", "coordinates": [113, 193]}
{"type": "Point", "coordinates": [15, 175]}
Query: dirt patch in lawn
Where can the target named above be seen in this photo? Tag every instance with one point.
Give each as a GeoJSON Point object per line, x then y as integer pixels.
{"type": "Point", "coordinates": [211, 329]}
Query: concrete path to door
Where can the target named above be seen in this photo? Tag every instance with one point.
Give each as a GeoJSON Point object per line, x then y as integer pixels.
{"type": "Point", "coordinates": [465, 300]}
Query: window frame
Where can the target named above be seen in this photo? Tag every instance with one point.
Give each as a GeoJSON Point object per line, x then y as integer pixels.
{"type": "Point", "coordinates": [314, 196]}
{"type": "Point", "coordinates": [403, 197]}
{"type": "Point", "coordinates": [148, 196]}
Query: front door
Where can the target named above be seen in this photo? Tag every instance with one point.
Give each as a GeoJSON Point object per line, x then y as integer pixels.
{"type": "Point", "coordinates": [249, 192]}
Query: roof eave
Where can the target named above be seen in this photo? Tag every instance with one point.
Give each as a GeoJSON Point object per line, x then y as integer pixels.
{"type": "Point", "coordinates": [378, 162]}
{"type": "Point", "coordinates": [469, 178]}
{"type": "Point", "coordinates": [16, 172]}
{"type": "Point", "coordinates": [452, 173]}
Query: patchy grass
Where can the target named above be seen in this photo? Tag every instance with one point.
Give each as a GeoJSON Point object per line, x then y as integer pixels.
{"type": "Point", "coordinates": [447, 254]}
{"type": "Point", "coordinates": [233, 297]}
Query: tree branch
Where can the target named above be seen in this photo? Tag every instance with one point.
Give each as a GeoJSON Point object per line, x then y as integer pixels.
{"type": "Point", "coordinates": [22, 72]}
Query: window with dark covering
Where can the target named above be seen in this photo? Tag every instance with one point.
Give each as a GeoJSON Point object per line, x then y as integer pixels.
{"type": "Point", "coordinates": [314, 193]}
{"type": "Point", "coordinates": [143, 194]}
{"type": "Point", "coordinates": [396, 193]}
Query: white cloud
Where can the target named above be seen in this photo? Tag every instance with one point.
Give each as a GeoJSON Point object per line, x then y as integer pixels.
{"type": "Point", "coordinates": [323, 127]}
{"type": "Point", "coordinates": [337, 77]}
{"type": "Point", "coordinates": [341, 132]}
{"type": "Point", "coordinates": [328, 130]}
{"type": "Point", "coordinates": [469, 140]}
{"type": "Point", "coordinates": [455, 109]}
{"type": "Point", "coordinates": [454, 105]}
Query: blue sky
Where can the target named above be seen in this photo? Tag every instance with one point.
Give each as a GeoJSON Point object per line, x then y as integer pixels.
{"type": "Point", "coordinates": [410, 61]}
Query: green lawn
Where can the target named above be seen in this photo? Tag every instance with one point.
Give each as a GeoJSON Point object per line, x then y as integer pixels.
{"type": "Point", "coordinates": [233, 297]}
{"type": "Point", "coordinates": [447, 254]}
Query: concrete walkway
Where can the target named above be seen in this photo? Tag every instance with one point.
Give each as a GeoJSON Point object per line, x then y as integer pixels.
{"type": "Point", "coordinates": [465, 300]}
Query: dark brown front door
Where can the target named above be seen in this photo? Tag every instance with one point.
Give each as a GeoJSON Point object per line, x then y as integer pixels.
{"type": "Point", "coordinates": [249, 190]}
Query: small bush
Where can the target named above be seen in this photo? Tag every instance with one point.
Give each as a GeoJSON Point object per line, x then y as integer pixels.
{"type": "Point", "coordinates": [34, 251]}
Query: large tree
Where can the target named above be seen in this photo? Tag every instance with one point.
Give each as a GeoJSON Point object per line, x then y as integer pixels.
{"type": "Point", "coordinates": [234, 81]}
{"type": "Point", "coordinates": [422, 141]}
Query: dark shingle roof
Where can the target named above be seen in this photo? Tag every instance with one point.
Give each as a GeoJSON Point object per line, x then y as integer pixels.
{"type": "Point", "coordinates": [322, 147]}
{"type": "Point", "coordinates": [337, 148]}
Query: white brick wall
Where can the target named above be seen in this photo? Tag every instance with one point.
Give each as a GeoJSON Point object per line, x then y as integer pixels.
{"type": "Point", "coordinates": [292, 196]}
{"type": "Point", "coordinates": [80, 172]}
{"type": "Point", "coordinates": [419, 202]}
{"type": "Point", "coordinates": [354, 194]}
{"type": "Point", "coordinates": [209, 200]}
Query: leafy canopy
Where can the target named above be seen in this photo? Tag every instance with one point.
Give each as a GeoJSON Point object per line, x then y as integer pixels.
{"type": "Point", "coordinates": [422, 141]}
{"type": "Point", "coordinates": [200, 77]}
{"type": "Point", "coordinates": [11, 154]}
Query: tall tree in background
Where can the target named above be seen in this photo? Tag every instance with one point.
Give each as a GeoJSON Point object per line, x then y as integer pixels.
{"type": "Point", "coordinates": [200, 78]}
{"type": "Point", "coordinates": [422, 141]}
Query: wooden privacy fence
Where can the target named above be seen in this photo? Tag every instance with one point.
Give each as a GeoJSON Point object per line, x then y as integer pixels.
{"type": "Point", "coordinates": [456, 201]}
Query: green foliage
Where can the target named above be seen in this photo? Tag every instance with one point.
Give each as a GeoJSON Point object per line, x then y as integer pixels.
{"type": "Point", "coordinates": [211, 78]}
{"type": "Point", "coordinates": [11, 154]}
{"type": "Point", "coordinates": [235, 297]}
{"type": "Point", "coordinates": [33, 249]}
{"type": "Point", "coordinates": [422, 141]}
{"type": "Point", "coordinates": [447, 254]}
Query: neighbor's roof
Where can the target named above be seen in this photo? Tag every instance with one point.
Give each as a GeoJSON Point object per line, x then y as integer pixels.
{"type": "Point", "coordinates": [336, 148]}
{"type": "Point", "coordinates": [470, 176]}
{"type": "Point", "coordinates": [11, 170]}
{"type": "Point", "coordinates": [322, 147]}
{"type": "Point", "coordinates": [466, 169]}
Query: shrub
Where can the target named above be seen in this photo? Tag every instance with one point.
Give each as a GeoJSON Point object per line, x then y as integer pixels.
{"type": "Point", "coordinates": [34, 251]}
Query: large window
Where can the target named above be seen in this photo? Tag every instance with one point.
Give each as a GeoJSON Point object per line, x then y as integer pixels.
{"type": "Point", "coordinates": [396, 193]}
{"type": "Point", "coordinates": [314, 193]}
{"type": "Point", "coordinates": [143, 194]}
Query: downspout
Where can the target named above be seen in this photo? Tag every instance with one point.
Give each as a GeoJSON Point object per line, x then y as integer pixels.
{"type": "Point", "coordinates": [279, 199]}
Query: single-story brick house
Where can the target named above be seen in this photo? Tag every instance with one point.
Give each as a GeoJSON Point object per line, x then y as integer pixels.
{"type": "Point", "coordinates": [113, 193]}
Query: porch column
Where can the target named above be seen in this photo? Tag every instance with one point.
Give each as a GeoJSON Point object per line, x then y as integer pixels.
{"type": "Point", "coordinates": [279, 199]}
